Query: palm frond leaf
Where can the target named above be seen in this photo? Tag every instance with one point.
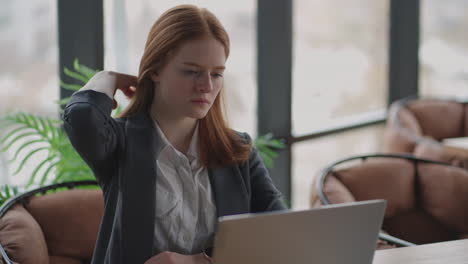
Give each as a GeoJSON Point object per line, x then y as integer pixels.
{"type": "Point", "coordinates": [75, 75]}
{"type": "Point", "coordinates": [28, 143]}
{"type": "Point", "coordinates": [36, 170]}
{"type": "Point", "coordinates": [6, 192]}
{"type": "Point", "coordinates": [268, 147]}
{"type": "Point", "coordinates": [46, 173]}
{"type": "Point", "coordinates": [27, 157]}
{"type": "Point", "coordinates": [84, 70]}
{"type": "Point", "coordinates": [18, 137]}
{"type": "Point", "coordinates": [63, 101]}
{"type": "Point", "coordinates": [70, 87]}
{"type": "Point", "coordinates": [11, 133]}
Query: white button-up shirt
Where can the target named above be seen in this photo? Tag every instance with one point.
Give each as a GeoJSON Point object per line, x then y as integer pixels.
{"type": "Point", "coordinates": [185, 217]}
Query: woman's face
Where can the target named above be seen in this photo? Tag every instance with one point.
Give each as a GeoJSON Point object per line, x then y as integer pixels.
{"type": "Point", "coordinates": [190, 81]}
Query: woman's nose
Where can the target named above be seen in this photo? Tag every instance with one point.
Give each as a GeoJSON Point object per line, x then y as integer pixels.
{"type": "Point", "coordinates": [204, 82]}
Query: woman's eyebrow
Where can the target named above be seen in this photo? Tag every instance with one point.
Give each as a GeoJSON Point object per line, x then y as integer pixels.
{"type": "Point", "coordinates": [199, 66]}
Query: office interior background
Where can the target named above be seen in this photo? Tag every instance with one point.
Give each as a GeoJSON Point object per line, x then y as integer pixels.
{"type": "Point", "coordinates": [318, 74]}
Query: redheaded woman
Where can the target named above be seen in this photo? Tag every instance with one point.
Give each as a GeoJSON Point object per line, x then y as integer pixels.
{"type": "Point", "coordinates": [169, 165]}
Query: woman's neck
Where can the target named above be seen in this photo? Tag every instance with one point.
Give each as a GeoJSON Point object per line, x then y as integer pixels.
{"type": "Point", "coordinates": [178, 131]}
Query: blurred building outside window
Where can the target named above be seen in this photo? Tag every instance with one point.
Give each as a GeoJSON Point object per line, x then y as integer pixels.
{"type": "Point", "coordinates": [443, 53]}
{"type": "Point", "coordinates": [29, 69]}
{"type": "Point", "coordinates": [339, 74]}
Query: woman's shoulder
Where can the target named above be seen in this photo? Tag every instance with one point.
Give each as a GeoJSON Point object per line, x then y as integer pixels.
{"type": "Point", "coordinates": [244, 136]}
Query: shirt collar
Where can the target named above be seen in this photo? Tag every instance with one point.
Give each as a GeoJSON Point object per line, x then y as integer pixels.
{"type": "Point", "coordinates": [192, 152]}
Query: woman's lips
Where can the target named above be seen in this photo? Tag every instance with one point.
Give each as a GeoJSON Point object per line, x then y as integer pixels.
{"type": "Point", "coordinates": [200, 101]}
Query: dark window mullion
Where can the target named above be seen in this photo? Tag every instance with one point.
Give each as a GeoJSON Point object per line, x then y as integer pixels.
{"type": "Point", "coordinates": [81, 35]}
{"type": "Point", "coordinates": [274, 65]}
{"type": "Point", "coordinates": [404, 48]}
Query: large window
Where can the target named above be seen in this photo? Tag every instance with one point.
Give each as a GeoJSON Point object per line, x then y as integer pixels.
{"type": "Point", "coordinates": [339, 75]}
{"type": "Point", "coordinates": [28, 72]}
{"type": "Point", "coordinates": [340, 61]}
{"type": "Point", "coordinates": [444, 49]}
{"type": "Point", "coordinates": [128, 23]}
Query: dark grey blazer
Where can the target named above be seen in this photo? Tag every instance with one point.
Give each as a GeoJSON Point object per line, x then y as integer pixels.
{"type": "Point", "coordinates": [121, 154]}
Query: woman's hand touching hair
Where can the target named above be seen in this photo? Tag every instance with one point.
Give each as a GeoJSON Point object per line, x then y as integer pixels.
{"type": "Point", "coordinates": [109, 82]}
{"type": "Point", "coordinates": [167, 257]}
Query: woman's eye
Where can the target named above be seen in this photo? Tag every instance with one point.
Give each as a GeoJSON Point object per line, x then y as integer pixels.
{"type": "Point", "coordinates": [190, 72]}
{"type": "Point", "coordinates": [217, 75]}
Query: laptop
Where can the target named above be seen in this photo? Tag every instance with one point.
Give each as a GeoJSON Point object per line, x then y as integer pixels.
{"type": "Point", "coordinates": [334, 234]}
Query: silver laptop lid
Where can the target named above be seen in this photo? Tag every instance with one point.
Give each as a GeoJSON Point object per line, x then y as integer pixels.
{"type": "Point", "coordinates": [335, 234]}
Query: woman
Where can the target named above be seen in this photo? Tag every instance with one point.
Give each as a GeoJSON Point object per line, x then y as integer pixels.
{"type": "Point", "coordinates": [169, 166]}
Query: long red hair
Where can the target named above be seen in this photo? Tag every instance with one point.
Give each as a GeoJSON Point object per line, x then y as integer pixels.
{"type": "Point", "coordinates": [218, 144]}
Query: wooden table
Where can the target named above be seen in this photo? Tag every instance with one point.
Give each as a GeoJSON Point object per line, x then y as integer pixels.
{"type": "Point", "coordinates": [456, 156]}
{"type": "Point", "coordinates": [455, 151]}
{"type": "Point", "coordinates": [459, 152]}
{"type": "Point", "coordinates": [452, 252]}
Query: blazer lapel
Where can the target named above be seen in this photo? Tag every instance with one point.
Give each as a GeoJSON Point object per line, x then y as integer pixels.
{"type": "Point", "coordinates": [138, 189]}
{"type": "Point", "coordinates": [230, 192]}
{"type": "Point", "coordinates": [138, 184]}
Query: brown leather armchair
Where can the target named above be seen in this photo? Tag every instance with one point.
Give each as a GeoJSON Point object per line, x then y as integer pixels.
{"type": "Point", "coordinates": [55, 228]}
{"type": "Point", "coordinates": [417, 126]}
{"type": "Point", "coordinates": [427, 201]}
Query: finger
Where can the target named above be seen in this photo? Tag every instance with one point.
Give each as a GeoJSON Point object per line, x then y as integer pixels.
{"type": "Point", "coordinates": [125, 80]}
{"type": "Point", "coordinates": [129, 92]}
{"type": "Point", "coordinates": [114, 104]}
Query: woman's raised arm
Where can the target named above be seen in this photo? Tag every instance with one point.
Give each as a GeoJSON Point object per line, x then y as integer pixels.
{"type": "Point", "coordinates": [88, 122]}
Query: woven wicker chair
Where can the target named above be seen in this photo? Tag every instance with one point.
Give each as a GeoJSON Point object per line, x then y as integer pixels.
{"type": "Point", "coordinates": [426, 200]}
{"type": "Point", "coordinates": [417, 126]}
{"type": "Point", "coordinates": [51, 225]}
